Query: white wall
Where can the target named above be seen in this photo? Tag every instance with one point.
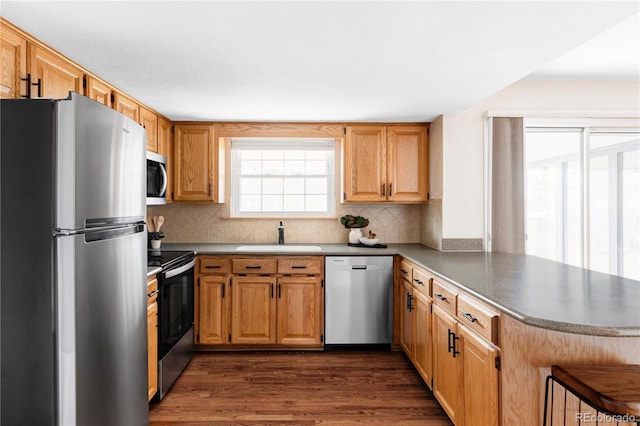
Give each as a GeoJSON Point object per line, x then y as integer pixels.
{"type": "Point", "coordinates": [463, 137]}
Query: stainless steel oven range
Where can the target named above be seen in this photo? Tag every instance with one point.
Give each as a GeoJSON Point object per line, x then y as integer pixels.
{"type": "Point", "coordinates": [175, 314]}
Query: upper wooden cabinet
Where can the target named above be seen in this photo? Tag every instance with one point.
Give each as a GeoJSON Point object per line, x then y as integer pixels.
{"type": "Point", "coordinates": [52, 76]}
{"type": "Point", "coordinates": [13, 56]}
{"type": "Point", "coordinates": [149, 120]}
{"type": "Point", "coordinates": [126, 106]}
{"type": "Point", "coordinates": [195, 160]}
{"type": "Point", "coordinates": [386, 164]}
{"type": "Point", "coordinates": [165, 147]}
{"type": "Point", "coordinates": [99, 91]}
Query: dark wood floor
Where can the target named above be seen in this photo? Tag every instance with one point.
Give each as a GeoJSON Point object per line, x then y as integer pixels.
{"type": "Point", "coordinates": [299, 388]}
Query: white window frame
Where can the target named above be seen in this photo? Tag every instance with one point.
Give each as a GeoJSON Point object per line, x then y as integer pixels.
{"type": "Point", "coordinates": [588, 127]}
{"type": "Point", "coordinates": [272, 144]}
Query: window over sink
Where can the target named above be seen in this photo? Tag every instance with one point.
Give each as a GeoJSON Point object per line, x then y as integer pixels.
{"type": "Point", "coordinates": [282, 177]}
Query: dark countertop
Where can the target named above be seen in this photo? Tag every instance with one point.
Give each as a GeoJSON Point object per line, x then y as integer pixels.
{"type": "Point", "coordinates": [536, 291]}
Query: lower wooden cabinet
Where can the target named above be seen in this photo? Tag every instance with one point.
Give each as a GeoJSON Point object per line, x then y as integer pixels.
{"type": "Point", "coordinates": [415, 335]}
{"type": "Point", "coordinates": [260, 301]}
{"type": "Point", "coordinates": [152, 336]}
{"type": "Point", "coordinates": [213, 312]}
{"type": "Point", "coordinates": [481, 375]}
{"type": "Point", "coordinates": [422, 346]}
{"type": "Point", "coordinates": [299, 310]}
{"type": "Point", "coordinates": [448, 365]}
{"type": "Point", "coordinates": [407, 336]}
{"type": "Point", "coordinates": [452, 341]}
{"type": "Point", "coordinates": [253, 312]}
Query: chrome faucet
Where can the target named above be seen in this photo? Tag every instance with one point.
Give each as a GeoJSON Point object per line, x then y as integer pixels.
{"type": "Point", "coordinates": [280, 234]}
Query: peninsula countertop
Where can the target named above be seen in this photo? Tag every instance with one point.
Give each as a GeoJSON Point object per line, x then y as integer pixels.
{"type": "Point", "coordinates": [536, 291]}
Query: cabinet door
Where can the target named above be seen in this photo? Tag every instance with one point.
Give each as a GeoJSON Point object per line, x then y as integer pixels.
{"type": "Point", "coordinates": [447, 368]}
{"type": "Point", "coordinates": [52, 76]}
{"type": "Point", "coordinates": [165, 147]}
{"type": "Point", "coordinates": [149, 120]}
{"type": "Point", "coordinates": [213, 312]}
{"type": "Point", "coordinates": [407, 164]}
{"type": "Point", "coordinates": [407, 333]}
{"type": "Point", "coordinates": [299, 310]}
{"type": "Point", "coordinates": [152, 348]}
{"type": "Point", "coordinates": [126, 106]}
{"type": "Point", "coordinates": [481, 377]}
{"type": "Point", "coordinates": [13, 63]}
{"type": "Point", "coordinates": [422, 345]}
{"type": "Point", "coordinates": [365, 164]}
{"type": "Point", "coordinates": [194, 160]}
{"type": "Point", "coordinates": [99, 91]}
{"type": "Point", "coordinates": [253, 310]}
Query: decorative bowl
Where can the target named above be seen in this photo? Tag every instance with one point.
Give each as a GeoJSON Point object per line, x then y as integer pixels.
{"type": "Point", "coordinates": [369, 241]}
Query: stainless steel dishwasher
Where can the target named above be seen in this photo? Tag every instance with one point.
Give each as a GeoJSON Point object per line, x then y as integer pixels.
{"type": "Point", "coordinates": [359, 300]}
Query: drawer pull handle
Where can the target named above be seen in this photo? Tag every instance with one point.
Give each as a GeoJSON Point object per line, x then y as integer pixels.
{"type": "Point", "coordinates": [469, 317]}
{"type": "Point", "coordinates": [298, 267]}
{"type": "Point", "coordinates": [439, 296]}
{"type": "Point", "coordinates": [403, 271]}
{"type": "Point", "coordinates": [212, 267]}
{"type": "Point", "coordinates": [418, 281]}
{"type": "Point", "coordinates": [253, 267]}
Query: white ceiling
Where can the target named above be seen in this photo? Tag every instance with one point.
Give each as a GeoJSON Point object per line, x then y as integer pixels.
{"type": "Point", "coordinates": [336, 60]}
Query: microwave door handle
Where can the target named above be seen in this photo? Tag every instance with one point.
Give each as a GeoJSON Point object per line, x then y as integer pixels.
{"type": "Point", "coordinates": [164, 180]}
{"type": "Point", "coordinates": [173, 272]}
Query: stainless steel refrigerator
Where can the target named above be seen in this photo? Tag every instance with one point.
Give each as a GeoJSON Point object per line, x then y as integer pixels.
{"type": "Point", "coordinates": [73, 265]}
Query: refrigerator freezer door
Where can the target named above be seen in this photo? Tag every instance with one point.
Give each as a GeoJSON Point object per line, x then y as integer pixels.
{"type": "Point", "coordinates": [102, 328]}
{"type": "Point", "coordinates": [101, 165]}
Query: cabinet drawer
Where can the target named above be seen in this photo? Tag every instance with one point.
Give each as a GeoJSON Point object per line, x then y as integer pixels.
{"type": "Point", "coordinates": [445, 296]}
{"type": "Point", "coordinates": [214, 265]}
{"type": "Point", "coordinates": [422, 281]}
{"type": "Point", "coordinates": [254, 266]}
{"type": "Point", "coordinates": [300, 265]}
{"type": "Point", "coordinates": [152, 290]}
{"type": "Point", "coordinates": [479, 318]}
{"type": "Point", "coordinates": [406, 270]}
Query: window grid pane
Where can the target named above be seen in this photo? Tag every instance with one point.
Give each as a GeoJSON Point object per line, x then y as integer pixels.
{"type": "Point", "coordinates": [285, 180]}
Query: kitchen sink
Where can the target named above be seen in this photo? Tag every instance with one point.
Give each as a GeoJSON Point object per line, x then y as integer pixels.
{"type": "Point", "coordinates": [279, 248]}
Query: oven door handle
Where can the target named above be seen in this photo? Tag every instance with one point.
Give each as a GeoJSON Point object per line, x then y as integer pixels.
{"type": "Point", "coordinates": [173, 272]}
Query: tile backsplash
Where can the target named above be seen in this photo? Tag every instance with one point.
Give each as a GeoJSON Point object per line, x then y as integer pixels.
{"type": "Point", "coordinates": [210, 223]}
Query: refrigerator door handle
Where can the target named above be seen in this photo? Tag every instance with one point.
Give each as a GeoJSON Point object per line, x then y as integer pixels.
{"type": "Point", "coordinates": [126, 229]}
{"type": "Point", "coordinates": [178, 271]}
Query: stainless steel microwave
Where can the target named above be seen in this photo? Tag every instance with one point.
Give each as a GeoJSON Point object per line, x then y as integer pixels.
{"type": "Point", "coordinates": [156, 179]}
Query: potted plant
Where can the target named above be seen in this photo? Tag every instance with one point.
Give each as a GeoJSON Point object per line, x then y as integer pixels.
{"type": "Point", "coordinates": [354, 223]}
{"type": "Point", "coordinates": [156, 238]}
